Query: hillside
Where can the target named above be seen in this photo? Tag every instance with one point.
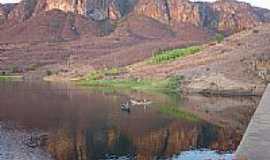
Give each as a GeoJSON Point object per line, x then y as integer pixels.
{"type": "Point", "coordinates": [71, 38]}
{"type": "Point", "coordinates": [125, 46]}
{"type": "Point", "coordinates": [51, 26]}
{"type": "Point", "coordinates": [240, 63]}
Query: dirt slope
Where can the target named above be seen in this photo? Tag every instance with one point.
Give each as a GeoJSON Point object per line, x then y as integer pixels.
{"type": "Point", "coordinates": [241, 61]}
{"type": "Point", "coordinates": [54, 25]}
{"type": "Point", "coordinates": [133, 41]}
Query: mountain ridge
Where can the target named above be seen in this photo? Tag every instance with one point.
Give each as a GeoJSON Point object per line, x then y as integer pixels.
{"type": "Point", "coordinates": [227, 16]}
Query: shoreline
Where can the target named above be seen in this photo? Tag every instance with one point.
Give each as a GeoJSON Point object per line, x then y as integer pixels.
{"type": "Point", "coordinates": [185, 87]}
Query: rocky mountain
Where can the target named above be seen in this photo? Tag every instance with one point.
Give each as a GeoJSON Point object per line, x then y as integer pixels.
{"type": "Point", "coordinates": [227, 16]}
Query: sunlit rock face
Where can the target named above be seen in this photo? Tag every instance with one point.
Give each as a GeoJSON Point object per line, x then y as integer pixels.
{"type": "Point", "coordinates": [76, 6]}
{"type": "Point", "coordinates": [235, 16]}
{"type": "Point", "coordinates": [223, 15]}
{"type": "Point", "coordinates": [95, 9]}
{"type": "Point", "coordinates": [170, 10]}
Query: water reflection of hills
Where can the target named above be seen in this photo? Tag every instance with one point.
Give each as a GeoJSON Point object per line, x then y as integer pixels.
{"type": "Point", "coordinates": [96, 143]}
{"type": "Point", "coordinates": [83, 125]}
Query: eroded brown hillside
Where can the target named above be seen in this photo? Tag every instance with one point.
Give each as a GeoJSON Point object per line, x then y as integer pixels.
{"type": "Point", "coordinates": [239, 65]}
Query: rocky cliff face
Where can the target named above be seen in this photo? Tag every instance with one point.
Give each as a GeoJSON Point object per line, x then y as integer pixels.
{"type": "Point", "coordinates": [224, 15]}
{"type": "Point", "coordinates": [3, 14]}
{"type": "Point", "coordinates": [4, 11]}
{"type": "Point", "coordinates": [95, 9]}
{"type": "Point", "coordinates": [235, 16]}
{"type": "Point", "coordinates": [22, 11]}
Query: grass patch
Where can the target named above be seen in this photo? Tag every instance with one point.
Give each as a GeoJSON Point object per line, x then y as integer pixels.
{"type": "Point", "coordinates": [126, 84]}
{"type": "Point", "coordinates": [171, 55]}
{"type": "Point", "coordinates": [10, 78]}
{"type": "Point", "coordinates": [101, 74]}
{"type": "Point", "coordinates": [170, 85]}
{"type": "Point", "coordinates": [178, 113]}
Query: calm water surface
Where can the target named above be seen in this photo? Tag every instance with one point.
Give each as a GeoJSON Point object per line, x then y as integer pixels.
{"type": "Point", "coordinates": [62, 122]}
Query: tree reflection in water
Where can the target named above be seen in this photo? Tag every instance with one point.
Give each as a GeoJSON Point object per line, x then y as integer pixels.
{"type": "Point", "coordinates": [159, 143]}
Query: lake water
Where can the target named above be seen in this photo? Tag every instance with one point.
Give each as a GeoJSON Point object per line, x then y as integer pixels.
{"type": "Point", "coordinates": [44, 121]}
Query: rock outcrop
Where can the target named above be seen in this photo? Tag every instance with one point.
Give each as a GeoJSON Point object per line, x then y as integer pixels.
{"type": "Point", "coordinates": [96, 9]}
{"type": "Point", "coordinates": [235, 16]}
{"type": "Point", "coordinates": [22, 11]}
{"type": "Point", "coordinates": [224, 15]}
{"type": "Point", "coordinates": [4, 11]}
{"type": "Point", "coordinates": [218, 84]}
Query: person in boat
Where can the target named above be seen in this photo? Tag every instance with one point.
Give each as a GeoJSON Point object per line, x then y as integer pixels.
{"type": "Point", "coordinates": [125, 107]}
{"type": "Point", "coordinates": [137, 102]}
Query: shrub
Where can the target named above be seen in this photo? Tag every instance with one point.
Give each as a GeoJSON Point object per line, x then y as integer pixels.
{"type": "Point", "coordinates": [15, 69]}
{"type": "Point", "coordinates": [174, 83]}
{"type": "Point", "coordinates": [96, 75]}
{"type": "Point", "coordinates": [170, 55]}
{"type": "Point", "coordinates": [55, 24]}
{"type": "Point", "coordinates": [219, 38]}
{"type": "Point", "coordinates": [49, 72]}
{"type": "Point", "coordinates": [256, 31]}
{"type": "Point", "coordinates": [3, 73]}
{"type": "Point", "coordinates": [112, 72]}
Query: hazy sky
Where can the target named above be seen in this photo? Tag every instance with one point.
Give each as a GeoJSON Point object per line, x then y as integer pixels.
{"type": "Point", "coordinates": [260, 3]}
{"type": "Point", "coordinates": [9, 1]}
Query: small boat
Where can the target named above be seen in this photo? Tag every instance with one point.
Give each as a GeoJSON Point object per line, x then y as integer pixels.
{"type": "Point", "coordinates": [140, 103]}
{"type": "Point", "coordinates": [125, 107]}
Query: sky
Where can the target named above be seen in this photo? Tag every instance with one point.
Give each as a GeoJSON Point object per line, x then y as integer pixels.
{"type": "Point", "coordinates": [259, 3]}
{"type": "Point", "coordinates": [9, 1]}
